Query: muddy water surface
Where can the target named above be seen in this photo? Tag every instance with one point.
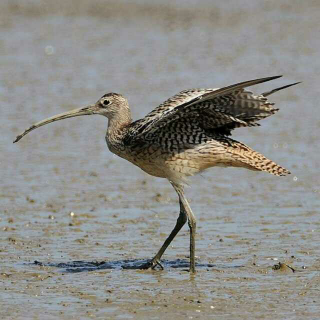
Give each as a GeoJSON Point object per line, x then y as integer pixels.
{"type": "Point", "coordinates": [75, 219]}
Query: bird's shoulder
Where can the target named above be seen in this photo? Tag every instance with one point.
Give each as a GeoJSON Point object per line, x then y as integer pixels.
{"type": "Point", "coordinates": [182, 97]}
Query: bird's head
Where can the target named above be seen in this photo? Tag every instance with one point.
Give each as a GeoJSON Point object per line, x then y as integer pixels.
{"type": "Point", "coordinates": [110, 105]}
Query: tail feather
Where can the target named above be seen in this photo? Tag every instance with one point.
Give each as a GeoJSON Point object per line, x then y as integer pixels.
{"type": "Point", "coordinates": [254, 160]}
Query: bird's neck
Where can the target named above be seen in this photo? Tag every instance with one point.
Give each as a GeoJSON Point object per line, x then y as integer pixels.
{"type": "Point", "coordinates": [117, 128]}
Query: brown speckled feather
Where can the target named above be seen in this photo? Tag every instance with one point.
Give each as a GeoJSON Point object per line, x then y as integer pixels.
{"type": "Point", "coordinates": [189, 132]}
{"type": "Point", "coordinates": [225, 108]}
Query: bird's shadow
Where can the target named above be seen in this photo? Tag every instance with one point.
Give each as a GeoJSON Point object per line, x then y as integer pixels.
{"type": "Point", "coordinates": [134, 264]}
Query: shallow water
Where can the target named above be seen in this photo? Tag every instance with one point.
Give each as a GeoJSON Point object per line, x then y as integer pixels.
{"type": "Point", "coordinates": [74, 218]}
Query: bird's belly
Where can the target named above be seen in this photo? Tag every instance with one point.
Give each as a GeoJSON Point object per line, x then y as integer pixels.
{"type": "Point", "coordinates": [177, 164]}
{"type": "Point", "coordinates": [148, 160]}
{"type": "Point", "coordinates": [152, 168]}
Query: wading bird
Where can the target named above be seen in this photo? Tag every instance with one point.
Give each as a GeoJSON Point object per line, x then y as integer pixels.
{"type": "Point", "coordinates": [183, 136]}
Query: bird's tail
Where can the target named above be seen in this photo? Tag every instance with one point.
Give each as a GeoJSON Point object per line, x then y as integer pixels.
{"type": "Point", "coordinates": [254, 160]}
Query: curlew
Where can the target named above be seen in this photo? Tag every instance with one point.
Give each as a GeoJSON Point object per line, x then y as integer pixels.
{"type": "Point", "coordinates": [183, 136]}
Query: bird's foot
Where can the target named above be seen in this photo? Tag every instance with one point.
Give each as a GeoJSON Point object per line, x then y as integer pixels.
{"type": "Point", "coordinates": [152, 264]}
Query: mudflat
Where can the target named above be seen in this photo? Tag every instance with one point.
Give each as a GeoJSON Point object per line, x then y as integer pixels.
{"type": "Point", "coordinates": [76, 220]}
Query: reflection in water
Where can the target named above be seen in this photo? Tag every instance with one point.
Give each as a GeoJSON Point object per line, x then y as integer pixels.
{"type": "Point", "coordinates": [134, 264]}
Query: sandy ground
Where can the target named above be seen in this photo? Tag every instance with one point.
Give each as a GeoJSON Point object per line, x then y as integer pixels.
{"type": "Point", "coordinates": [76, 220]}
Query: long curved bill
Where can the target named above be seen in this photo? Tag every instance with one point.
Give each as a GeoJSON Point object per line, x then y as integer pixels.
{"type": "Point", "coordinates": [69, 114]}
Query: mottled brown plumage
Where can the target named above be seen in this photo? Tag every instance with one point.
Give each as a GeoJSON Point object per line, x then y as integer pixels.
{"type": "Point", "coordinates": [185, 135]}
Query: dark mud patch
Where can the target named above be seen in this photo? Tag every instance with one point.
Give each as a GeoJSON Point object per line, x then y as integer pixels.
{"type": "Point", "coordinates": [283, 267]}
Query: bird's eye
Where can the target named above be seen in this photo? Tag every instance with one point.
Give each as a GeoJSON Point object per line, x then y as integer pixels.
{"type": "Point", "coordinates": [106, 102]}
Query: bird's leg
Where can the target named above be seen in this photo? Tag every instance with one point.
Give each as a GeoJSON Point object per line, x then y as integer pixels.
{"type": "Point", "coordinates": [191, 223]}
{"type": "Point", "coordinates": [182, 219]}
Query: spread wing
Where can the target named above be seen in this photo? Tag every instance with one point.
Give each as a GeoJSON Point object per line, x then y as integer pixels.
{"type": "Point", "coordinates": [221, 110]}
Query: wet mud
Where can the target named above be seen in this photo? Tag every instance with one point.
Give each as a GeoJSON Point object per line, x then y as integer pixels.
{"type": "Point", "coordinates": [76, 222]}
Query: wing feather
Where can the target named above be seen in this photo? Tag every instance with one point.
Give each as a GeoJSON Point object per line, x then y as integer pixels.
{"type": "Point", "coordinates": [221, 109]}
